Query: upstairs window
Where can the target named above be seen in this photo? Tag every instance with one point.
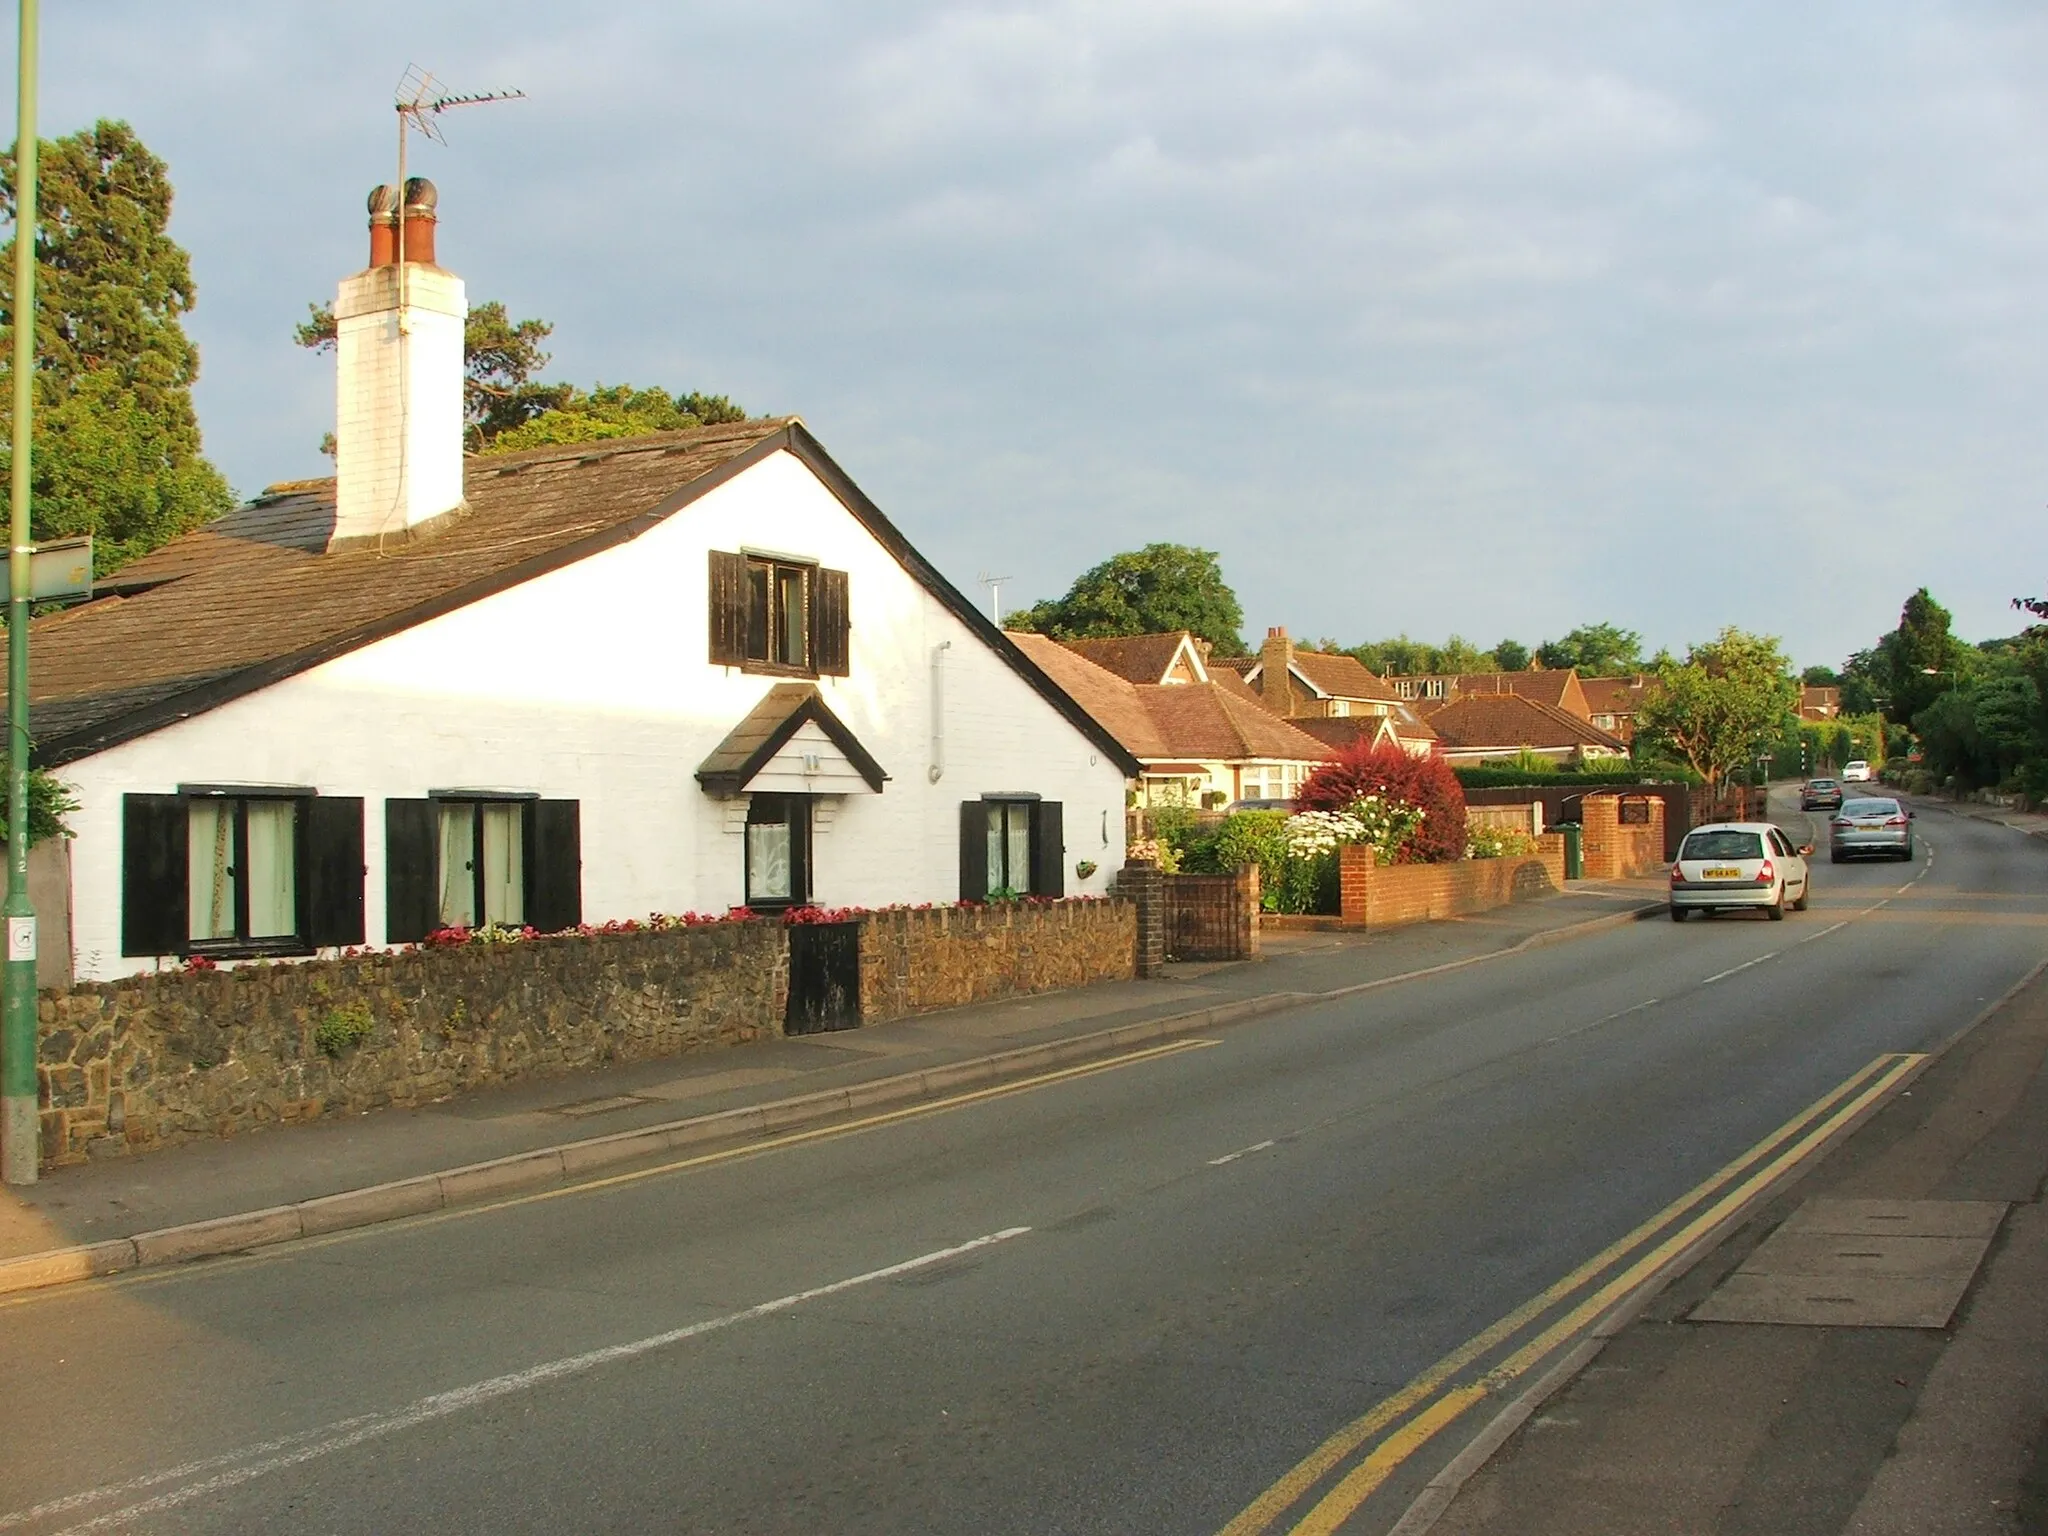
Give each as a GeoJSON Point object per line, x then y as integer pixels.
{"type": "Point", "coordinates": [778, 614]}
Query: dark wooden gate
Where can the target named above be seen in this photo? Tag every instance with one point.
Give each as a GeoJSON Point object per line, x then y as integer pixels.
{"type": "Point", "coordinates": [1204, 918]}
{"type": "Point", "coordinates": [824, 978]}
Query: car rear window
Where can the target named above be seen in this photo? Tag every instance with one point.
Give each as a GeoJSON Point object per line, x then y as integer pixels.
{"type": "Point", "coordinates": [1867, 808]}
{"type": "Point", "coordinates": [1722, 845]}
{"type": "Point", "coordinates": [1822, 784]}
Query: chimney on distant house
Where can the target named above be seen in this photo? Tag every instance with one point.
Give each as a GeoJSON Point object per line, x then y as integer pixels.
{"type": "Point", "coordinates": [399, 372]}
{"type": "Point", "coordinates": [1276, 678]}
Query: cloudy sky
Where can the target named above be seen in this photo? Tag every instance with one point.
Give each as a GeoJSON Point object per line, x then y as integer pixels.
{"type": "Point", "coordinates": [1435, 316]}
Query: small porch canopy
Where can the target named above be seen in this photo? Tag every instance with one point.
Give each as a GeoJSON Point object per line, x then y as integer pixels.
{"type": "Point", "coordinates": [792, 744]}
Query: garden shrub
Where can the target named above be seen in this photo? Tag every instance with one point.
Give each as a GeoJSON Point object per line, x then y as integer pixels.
{"type": "Point", "coordinates": [1364, 771]}
{"type": "Point", "coordinates": [1498, 843]}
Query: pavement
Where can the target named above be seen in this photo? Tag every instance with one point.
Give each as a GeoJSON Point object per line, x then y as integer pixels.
{"type": "Point", "coordinates": [212, 1197]}
{"type": "Point", "coordinates": [1699, 1418]}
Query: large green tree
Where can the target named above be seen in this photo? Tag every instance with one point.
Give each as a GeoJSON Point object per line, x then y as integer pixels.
{"type": "Point", "coordinates": [1921, 659]}
{"type": "Point", "coordinates": [116, 449]}
{"type": "Point", "coordinates": [1511, 656]}
{"type": "Point", "coordinates": [1144, 592]}
{"type": "Point", "coordinates": [1403, 657]}
{"type": "Point", "coordinates": [1597, 650]}
{"type": "Point", "coordinates": [1716, 709]}
{"type": "Point", "coordinates": [506, 406]}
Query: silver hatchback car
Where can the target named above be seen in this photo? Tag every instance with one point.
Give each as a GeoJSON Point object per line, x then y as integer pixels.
{"type": "Point", "coordinates": [1870, 826]}
{"type": "Point", "coordinates": [1734, 864]}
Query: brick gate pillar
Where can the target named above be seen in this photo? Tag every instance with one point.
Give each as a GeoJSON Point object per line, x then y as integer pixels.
{"type": "Point", "coordinates": [1144, 885]}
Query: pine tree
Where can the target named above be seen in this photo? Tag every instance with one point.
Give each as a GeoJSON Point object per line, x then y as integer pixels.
{"type": "Point", "coordinates": [117, 446]}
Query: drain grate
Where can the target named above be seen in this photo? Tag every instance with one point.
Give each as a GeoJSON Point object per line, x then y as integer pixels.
{"type": "Point", "coordinates": [597, 1106]}
{"type": "Point", "coordinates": [1861, 1264]}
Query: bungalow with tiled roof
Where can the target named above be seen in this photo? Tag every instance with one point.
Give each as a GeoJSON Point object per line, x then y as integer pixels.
{"type": "Point", "coordinates": [1302, 685]}
{"type": "Point", "coordinates": [1199, 744]}
{"type": "Point", "coordinates": [1490, 726]}
{"type": "Point", "coordinates": [679, 672]}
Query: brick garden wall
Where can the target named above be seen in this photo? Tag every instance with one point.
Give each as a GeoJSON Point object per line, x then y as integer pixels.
{"type": "Point", "coordinates": [915, 960]}
{"type": "Point", "coordinates": [1376, 896]}
{"type": "Point", "coordinates": [148, 1061]}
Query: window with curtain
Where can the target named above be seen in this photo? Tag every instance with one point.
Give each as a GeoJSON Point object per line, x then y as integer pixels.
{"type": "Point", "coordinates": [242, 870]}
{"type": "Point", "coordinates": [778, 851]}
{"type": "Point", "coordinates": [1009, 846]}
{"type": "Point", "coordinates": [482, 863]}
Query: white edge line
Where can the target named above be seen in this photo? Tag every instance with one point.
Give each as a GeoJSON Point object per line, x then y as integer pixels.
{"type": "Point", "coordinates": [352, 1432]}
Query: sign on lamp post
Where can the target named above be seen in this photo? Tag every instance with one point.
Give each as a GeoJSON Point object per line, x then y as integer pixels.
{"type": "Point", "coordinates": [19, 1154]}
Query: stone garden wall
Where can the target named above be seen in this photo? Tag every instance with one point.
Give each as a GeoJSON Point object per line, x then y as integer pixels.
{"type": "Point", "coordinates": [913, 960]}
{"type": "Point", "coordinates": [141, 1063]}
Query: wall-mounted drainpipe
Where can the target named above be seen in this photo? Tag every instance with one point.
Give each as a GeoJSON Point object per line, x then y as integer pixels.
{"type": "Point", "coordinates": [937, 771]}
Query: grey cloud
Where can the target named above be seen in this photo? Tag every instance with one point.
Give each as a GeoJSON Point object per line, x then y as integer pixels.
{"type": "Point", "coordinates": [1468, 316]}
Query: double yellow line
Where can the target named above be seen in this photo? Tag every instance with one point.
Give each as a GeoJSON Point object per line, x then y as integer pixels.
{"type": "Point", "coordinates": [1404, 1423]}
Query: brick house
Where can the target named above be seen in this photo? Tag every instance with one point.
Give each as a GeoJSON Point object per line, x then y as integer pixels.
{"type": "Point", "coordinates": [1612, 702]}
{"type": "Point", "coordinates": [669, 673]}
{"type": "Point", "coordinates": [1559, 688]}
{"type": "Point", "coordinates": [1304, 685]}
{"type": "Point", "coordinates": [1199, 743]}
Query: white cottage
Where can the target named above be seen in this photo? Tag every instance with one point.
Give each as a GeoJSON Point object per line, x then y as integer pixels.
{"type": "Point", "coordinates": [676, 673]}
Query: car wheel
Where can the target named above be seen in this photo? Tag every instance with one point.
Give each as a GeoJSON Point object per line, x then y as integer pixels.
{"type": "Point", "coordinates": [1678, 914]}
{"type": "Point", "coordinates": [1776, 910]}
{"type": "Point", "coordinates": [1805, 891]}
{"type": "Point", "coordinates": [1834, 858]}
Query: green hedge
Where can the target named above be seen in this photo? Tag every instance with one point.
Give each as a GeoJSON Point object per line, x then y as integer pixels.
{"type": "Point", "coordinates": [1515, 778]}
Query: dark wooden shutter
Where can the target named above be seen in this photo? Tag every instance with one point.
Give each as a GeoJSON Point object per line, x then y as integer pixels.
{"type": "Point", "coordinates": [974, 850]}
{"type": "Point", "coordinates": [829, 625]}
{"type": "Point", "coordinates": [1048, 849]}
{"type": "Point", "coordinates": [556, 862]}
{"type": "Point", "coordinates": [155, 878]}
{"type": "Point", "coordinates": [334, 870]}
{"type": "Point", "coordinates": [412, 894]}
{"type": "Point", "coordinates": [728, 608]}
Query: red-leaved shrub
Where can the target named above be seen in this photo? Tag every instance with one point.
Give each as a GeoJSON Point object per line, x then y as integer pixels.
{"type": "Point", "coordinates": [1425, 782]}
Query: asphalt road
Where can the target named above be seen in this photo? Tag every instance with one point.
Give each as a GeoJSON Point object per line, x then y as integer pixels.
{"type": "Point", "coordinates": [1125, 1300]}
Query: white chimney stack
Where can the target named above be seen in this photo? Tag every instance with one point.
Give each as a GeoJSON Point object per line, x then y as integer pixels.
{"type": "Point", "coordinates": [398, 395]}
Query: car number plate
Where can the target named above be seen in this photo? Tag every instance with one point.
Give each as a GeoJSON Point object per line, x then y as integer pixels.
{"type": "Point", "coordinates": [1869, 826]}
{"type": "Point", "coordinates": [1722, 874]}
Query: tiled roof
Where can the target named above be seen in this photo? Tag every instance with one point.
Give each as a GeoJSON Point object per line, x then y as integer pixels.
{"type": "Point", "coordinates": [1113, 701]}
{"type": "Point", "coordinates": [254, 597]}
{"type": "Point", "coordinates": [1134, 658]}
{"type": "Point", "coordinates": [1614, 695]}
{"type": "Point", "coordinates": [1214, 722]}
{"type": "Point", "coordinates": [1507, 721]}
{"type": "Point", "coordinates": [1238, 664]}
{"type": "Point", "coordinates": [1207, 722]}
{"type": "Point", "coordinates": [1338, 676]}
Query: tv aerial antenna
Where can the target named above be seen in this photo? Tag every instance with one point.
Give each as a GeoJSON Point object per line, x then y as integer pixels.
{"type": "Point", "coordinates": [995, 596]}
{"type": "Point", "coordinates": [420, 100]}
